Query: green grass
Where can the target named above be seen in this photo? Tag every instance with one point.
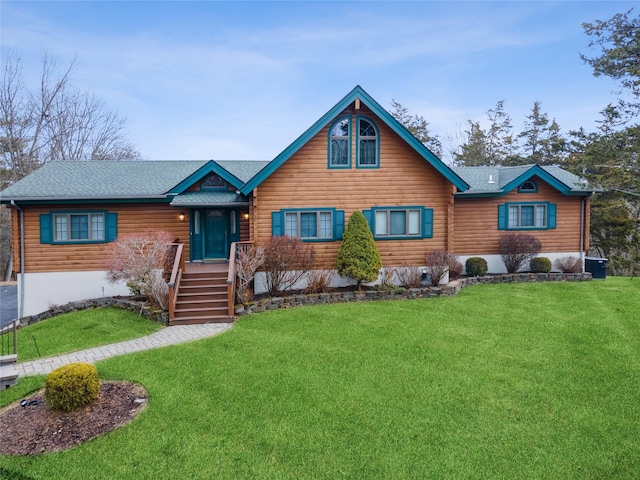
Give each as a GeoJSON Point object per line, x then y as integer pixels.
{"type": "Point", "coordinates": [79, 330]}
{"type": "Point", "coordinates": [532, 381]}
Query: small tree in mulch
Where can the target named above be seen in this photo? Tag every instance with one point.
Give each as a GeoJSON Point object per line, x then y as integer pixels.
{"type": "Point", "coordinates": [517, 249]}
{"type": "Point", "coordinates": [358, 257]}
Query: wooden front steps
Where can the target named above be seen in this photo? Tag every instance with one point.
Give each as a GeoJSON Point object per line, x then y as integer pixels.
{"type": "Point", "coordinates": [202, 296]}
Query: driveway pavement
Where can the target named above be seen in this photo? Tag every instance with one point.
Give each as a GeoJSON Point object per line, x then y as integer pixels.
{"type": "Point", "coordinates": [8, 303]}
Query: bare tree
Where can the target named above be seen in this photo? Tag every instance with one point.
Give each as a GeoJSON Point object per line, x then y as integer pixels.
{"type": "Point", "coordinates": [56, 121]}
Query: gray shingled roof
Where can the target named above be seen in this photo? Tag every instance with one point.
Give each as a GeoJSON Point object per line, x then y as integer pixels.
{"type": "Point", "coordinates": [204, 198]}
{"type": "Point", "coordinates": [243, 170]}
{"type": "Point", "coordinates": [61, 180]}
{"type": "Point", "coordinates": [101, 179]}
{"type": "Point", "coordinates": [494, 179]}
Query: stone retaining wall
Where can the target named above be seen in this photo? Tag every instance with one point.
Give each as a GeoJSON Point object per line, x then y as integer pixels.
{"type": "Point", "coordinates": [396, 293]}
{"type": "Point", "coordinates": [137, 306]}
{"type": "Point", "coordinates": [399, 293]}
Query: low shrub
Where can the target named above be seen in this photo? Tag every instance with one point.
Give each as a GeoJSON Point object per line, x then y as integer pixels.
{"type": "Point", "coordinates": [71, 386]}
{"type": "Point", "coordinates": [438, 263]}
{"type": "Point", "coordinates": [318, 281]}
{"type": "Point", "coordinates": [568, 264]}
{"type": "Point", "coordinates": [476, 267]}
{"type": "Point", "coordinates": [455, 270]}
{"type": "Point", "coordinates": [517, 249]}
{"type": "Point", "coordinates": [540, 265]}
{"type": "Point", "coordinates": [409, 276]}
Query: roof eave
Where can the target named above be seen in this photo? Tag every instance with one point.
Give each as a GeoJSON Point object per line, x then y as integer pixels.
{"type": "Point", "coordinates": [7, 200]}
{"type": "Point", "coordinates": [356, 93]}
{"type": "Point", "coordinates": [211, 204]}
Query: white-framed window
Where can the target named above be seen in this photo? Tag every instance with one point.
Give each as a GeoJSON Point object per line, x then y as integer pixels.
{"type": "Point", "coordinates": [528, 216]}
{"type": "Point", "coordinates": [309, 224]}
{"type": "Point", "coordinates": [397, 223]}
{"type": "Point", "coordinates": [71, 227]}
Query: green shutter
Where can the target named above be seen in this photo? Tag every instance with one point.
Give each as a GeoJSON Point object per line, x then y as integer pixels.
{"type": "Point", "coordinates": [46, 228]}
{"type": "Point", "coordinates": [276, 224]}
{"type": "Point", "coordinates": [551, 215]}
{"type": "Point", "coordinates": [368, 214]}
{"type": "Point", "coordinates": [338, 224]}
{"type": "Point", "coordinates": [111, 227]}
{"type": "Point", "coordinates": [502, 217]}
{"type": "Point", "coordinates": [427, 223]}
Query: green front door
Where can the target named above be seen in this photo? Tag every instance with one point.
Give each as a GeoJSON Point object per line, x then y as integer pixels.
{"type": "Point", "coordinates": [216, 233]}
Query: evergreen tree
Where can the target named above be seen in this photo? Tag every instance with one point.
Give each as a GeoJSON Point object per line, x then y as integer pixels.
{"type": "Point", "coordinates": [493, 146]}
{"type": "Point", "coordinates": [608, 159]}
{"type": "Point", "coordinates": [358, 256]}
{"type": "Point", "coordinates": [536, 128]}
{"type": "Point", "coordinates": [417, 126]}
{"type": "Point", "coordinates": [474, 151]}
{"type": "Point", "coordinates": [619, 41]}
{"type": "Point", "coordinates": [499, 135]}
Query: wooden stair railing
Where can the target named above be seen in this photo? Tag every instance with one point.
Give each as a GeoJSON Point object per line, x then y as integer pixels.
{"type": "Point", "coordinates": [174, 280]}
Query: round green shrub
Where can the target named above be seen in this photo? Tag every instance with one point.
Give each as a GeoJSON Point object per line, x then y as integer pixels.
{"type": "Point", "coordinates": [476, 267]}
{"type": "Point", "coordinates": [540, 265]}
{"type": "Point", "coordinates": [71, 386]}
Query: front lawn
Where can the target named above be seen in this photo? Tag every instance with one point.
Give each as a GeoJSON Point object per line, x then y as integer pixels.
{"type": "Point", "coordinates": [501, 381]}
{"type": "Point", "coordinates": [79, 330]}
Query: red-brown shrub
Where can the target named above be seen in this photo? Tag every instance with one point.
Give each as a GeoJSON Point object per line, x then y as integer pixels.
{"type": "Point", "coordinates": [568, 264]}
{"type": "Point", "coordinates": [438, 263]}
{"type": "Point", "coordinates": [517, 249]}
{"type": "Point", "coordinates": [286, 261]}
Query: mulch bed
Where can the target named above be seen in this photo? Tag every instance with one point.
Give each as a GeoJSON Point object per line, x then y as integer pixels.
{"type": "Point", "coordinates": [29, 427]}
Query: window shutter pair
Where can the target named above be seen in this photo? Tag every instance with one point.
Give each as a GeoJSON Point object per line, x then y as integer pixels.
{"type": "Point", "coordinates": [503, 223]}
{"type": "Point", "coordinates": [46, 227]}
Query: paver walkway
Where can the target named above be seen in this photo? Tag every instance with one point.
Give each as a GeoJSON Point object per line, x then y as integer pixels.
{"type": "Point", "coordinates": [162, 338]}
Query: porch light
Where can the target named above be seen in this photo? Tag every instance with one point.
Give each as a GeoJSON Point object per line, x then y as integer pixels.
{"type": "Point", "coordinates": [181, 216]}
{"type": "Point", "coordinates": [245, 216]}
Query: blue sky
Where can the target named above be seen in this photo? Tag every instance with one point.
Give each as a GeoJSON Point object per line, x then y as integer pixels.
{"type": "Point", "coordinates": [242, 80]}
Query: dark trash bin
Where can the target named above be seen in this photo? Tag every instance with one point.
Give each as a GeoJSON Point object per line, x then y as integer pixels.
{"type": "Point", "coordinates": [597, 267]}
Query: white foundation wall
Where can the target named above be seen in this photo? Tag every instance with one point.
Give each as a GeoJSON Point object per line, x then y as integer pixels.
{"type": "Point", "coordinates": [38, 292]}
{"type": "Point", "coordinates": [496, 265]}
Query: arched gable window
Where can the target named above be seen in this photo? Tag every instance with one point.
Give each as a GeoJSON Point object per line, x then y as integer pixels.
{"type": "Point", "coordinates": [528, 187]}
{"type": "Point", "coordinates": [368, 155]}
{"type": "Point", "coordinates": [213, 181]}
{"type": "Point", "coordinates": [340, 144]}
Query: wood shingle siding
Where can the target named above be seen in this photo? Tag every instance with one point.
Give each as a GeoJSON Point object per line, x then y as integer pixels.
{"type": "Point", "coordinates": [132, 218]}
